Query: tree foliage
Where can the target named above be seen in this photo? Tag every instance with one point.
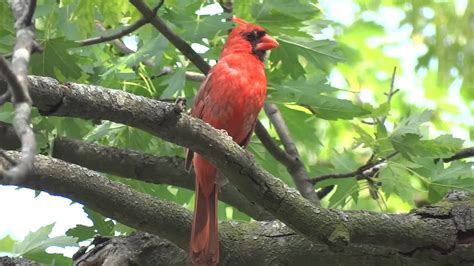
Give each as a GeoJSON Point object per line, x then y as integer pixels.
{"type": "Point", "coordinates": [335, 129]}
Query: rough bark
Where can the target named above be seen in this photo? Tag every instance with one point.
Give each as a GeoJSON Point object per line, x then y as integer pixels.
{"type": "Point", "coordinates": [334, 227]}
{"type": "Point", "coordinates": [15, 261]}
{"type": "Point", "coordinates": [137, 249]}
{"type": "Point", "coordinates": [264, 243]}
{"type": "Point", "coordinates": [134, 165]}
{"type": "Point", "coordinates": [145, 167]}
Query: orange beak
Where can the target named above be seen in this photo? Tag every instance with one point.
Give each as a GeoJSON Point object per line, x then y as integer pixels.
{"type": "Point", "coordinates": [267, 42]}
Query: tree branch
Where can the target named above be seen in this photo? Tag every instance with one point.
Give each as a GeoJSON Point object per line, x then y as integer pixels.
{"type": "Point", "coordinates": [16, 76]}
{"type": "Point", "coordinates": [145, 167]}
{"type": "Point", "coordinates": [271, 146]}
{"type": "Point", "coordinates": [359, 172]}
{"type": "Point", "coordinates": [179, 43]}
{"type": "Point", "coordinates": [463, 154]}
{"type": "Point", "coordinates": [125, 31]}
{"type": "Point", "coordinates": [260, 243]}
{"type": "Point", "coordinates": [161, 119]}
{"type": "Point", "coordinates": [133, 165]}
{"type": "Point", "coordinates": [295, 166]}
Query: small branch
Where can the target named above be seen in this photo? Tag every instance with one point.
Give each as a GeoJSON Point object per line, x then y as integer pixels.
{"type": "Point", "coordinates": [117, 43]}
{"type": "Point", "coordinates": [463, 154]}
{"type": "Point", "coordinates": [16, 76]}
{"type": "Point", "coordinates": [125, 31]}
{"type": "Point", "coordinates": [227, 5]}
{"type": "Point", "coordinates": [179, 43]}
{"type": "Point", "coordinates": [190, 75]}
{"type": "Point", "coordinates": [295, 168]}
{"type": "Point", "coordinates": [359, 172]}
{"type": "Point", "coordinates": [18, 89]}
{"type": "Point", "coordinates": [391, 92]}
{"type": "Point", "coordinates": [5, 97]}
{"type": "Point", "coordinates": [272, 147]}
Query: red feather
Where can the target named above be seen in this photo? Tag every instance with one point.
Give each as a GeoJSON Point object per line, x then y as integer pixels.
{"type": "Point", "coordinates": [230, 98]}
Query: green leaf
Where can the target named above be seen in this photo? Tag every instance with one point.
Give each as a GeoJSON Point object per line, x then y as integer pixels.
{"type": "Point", "coordinates": [332, 108]}
{"type": "Point", "coordinates": [6, 244]}
{"type": "Point", "coordinates": [39, 240]}
{"type": "Point", "coordinates": [56, 59]}
{"type": "Point", "coordinates": [344, 188]}
{"type": "Point", "coordinates": [174, 83]}
{"type": "Point", "coordinates": [151, 51]}
{"type": "Point", "coordinates": [395, 179]}
{"type": "Point", "coordinates": [194, 28]}
{"type": "Point", "coordinates": [82, 232]}
{"type": "Point", "coordinates": [319, 53]}
{"type": "Point", "coordinates": [293, 90]}
{"type": "Point", "coordinates": [48, 258]}
{"type": "Point", "coordinates": [364, 138]}
{"type": "Point", "coordinates": [102, 225]}
{"type": "Point", "coordinates": [411, 124]}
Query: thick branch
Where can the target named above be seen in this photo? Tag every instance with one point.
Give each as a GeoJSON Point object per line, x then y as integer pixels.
{"type": "Point", "coordinates": [257, 243]}
{"type": "Point", "coordinates": [133, 165]}
{"type": "Point", "coordinates": [162, 120]}
{"type": "Point", "coordinates": [145, 167]}
{"type": "Point", "coordinates": [295, 166]}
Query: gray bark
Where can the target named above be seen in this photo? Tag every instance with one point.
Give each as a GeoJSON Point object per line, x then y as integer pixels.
{"type": "Point", "coordinates": [266, 243]}
{"type": "Point", "coordinates": [333, 227]}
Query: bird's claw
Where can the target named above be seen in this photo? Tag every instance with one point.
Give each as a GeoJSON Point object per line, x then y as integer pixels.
{"type": "Point", "coordinates": [180, 105]}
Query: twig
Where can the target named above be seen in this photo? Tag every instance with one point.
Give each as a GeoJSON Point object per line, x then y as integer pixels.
{"type": "Point", "coordinates": [465, 153]}
{"type": "Point", "coordinates": [189, 75]}
{"type": "Point", "coordinates": [16, 76]}
{"type": "Point", "coordinates": [358, 172]}
{"type": "Point", "coordinates": [125, 31]}
{"type": "Point", "coordinates": [5, 156]}
{"type": "Point", "coordinates": [5, 97]}
{"type": "Point", "coordinates": [179, 43]}
{"type": "Point", "coordinates": [192, 76]}
{"type": "Point", "coordinates": [296, 169]}
{"type": "Point", "coordinates": [391, 92]}
{"type": "Point", "coordinates": [227, 5]}
{"type": "Point", "coordinates": [17, 89]}
{"type": "Point", "coordinates": [361, 171]}
{"type": "Point", "coordinates": [272, 147]}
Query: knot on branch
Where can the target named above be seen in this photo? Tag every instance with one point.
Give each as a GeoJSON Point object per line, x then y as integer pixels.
{"type": "Point", "coordinates": [339, 238]}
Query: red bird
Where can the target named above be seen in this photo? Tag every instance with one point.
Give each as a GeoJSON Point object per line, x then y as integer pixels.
{"type": "Point", "coordinates": [230, 98]}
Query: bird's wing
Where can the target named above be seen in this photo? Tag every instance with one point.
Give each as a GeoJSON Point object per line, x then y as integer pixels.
{"type": "Point", "coordinates": [196, 111]}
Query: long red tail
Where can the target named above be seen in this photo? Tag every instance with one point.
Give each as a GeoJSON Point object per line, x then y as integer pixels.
{"type": "Point", "coordinates": [204, 247]}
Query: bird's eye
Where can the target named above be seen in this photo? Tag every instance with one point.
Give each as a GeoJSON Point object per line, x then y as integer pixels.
{"type": "Point", "coordinates": [251, 36]}
{"type": "Point", "coordinates": [254, 35]}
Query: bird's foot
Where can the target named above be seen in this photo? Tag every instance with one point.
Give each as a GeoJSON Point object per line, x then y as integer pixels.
{"type": "Point", "coordinates": [180, 105]}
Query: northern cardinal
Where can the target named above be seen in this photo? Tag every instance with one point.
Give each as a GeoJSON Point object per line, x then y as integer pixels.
{"type": "Point", "coordinates": [229, 98]}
